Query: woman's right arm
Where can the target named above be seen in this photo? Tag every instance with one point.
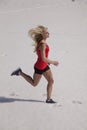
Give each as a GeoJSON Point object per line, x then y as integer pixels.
{"type": "Point", "coordinates": [44, 58]}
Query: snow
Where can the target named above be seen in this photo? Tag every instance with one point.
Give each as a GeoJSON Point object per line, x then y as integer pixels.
{"type": "Point", "coordinates": [23, 107]}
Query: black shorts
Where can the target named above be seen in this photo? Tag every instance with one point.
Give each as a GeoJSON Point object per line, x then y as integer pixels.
{"type": "Point", "coordinates": [41, 71]}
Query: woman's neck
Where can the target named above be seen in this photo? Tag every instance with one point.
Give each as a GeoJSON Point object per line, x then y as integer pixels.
{"type": "Point", "coordinates": [45, 39]}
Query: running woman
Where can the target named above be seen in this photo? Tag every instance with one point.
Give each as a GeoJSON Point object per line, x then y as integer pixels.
{"type": "Point", "coordinates": [41, 67]}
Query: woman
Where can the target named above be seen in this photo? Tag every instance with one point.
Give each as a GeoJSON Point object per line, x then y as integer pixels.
{"type": "Point", "coordinates": [41, 67]}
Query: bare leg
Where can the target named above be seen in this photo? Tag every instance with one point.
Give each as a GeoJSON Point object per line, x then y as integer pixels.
{"type": "Point", "coordinates": [33, 81]}
{"type": "Point", "coordinates": [49, 77]}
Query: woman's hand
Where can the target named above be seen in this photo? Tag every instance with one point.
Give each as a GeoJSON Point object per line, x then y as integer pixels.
{"type": "Point", "coordinates": [56, 63]}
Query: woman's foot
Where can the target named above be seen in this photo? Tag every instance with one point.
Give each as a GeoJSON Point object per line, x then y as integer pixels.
{"type": "Point", "coordinates": [16, 72]}
{"type": "Point", "coordinates": [50, 101]}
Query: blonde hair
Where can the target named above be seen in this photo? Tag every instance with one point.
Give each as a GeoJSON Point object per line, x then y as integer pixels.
{"type": "Point", "coordinates": [37, 35]}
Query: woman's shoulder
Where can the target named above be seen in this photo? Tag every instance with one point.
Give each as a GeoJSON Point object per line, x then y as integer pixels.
{"type": "Point", "coordinates": [43, 42]}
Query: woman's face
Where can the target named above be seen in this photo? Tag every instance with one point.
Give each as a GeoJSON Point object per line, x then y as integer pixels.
{"type": "Point", "coordinates": [46, 34]}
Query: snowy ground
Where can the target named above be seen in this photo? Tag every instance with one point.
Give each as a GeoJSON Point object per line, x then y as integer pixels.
{"type": "Point", "coordinates": [23, 107]}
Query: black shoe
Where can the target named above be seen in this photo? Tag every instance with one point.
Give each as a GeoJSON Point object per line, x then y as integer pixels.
{"type": "Point", "coordinates": [16, 72]}
{"type": "Point", "coordinates": [50, 101]}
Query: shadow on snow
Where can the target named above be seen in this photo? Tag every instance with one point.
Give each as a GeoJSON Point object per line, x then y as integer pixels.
{"type": "Point", "coordinates": [8, 100]}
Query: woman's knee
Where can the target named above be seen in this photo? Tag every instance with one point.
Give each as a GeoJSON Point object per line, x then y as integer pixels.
{"type": "Point", "coordinates": [35, 84]}
{"type": "Point", "coordinates": [51, 81]}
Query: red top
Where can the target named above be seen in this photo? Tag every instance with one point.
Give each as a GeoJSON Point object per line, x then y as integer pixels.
{"type": "Point", "coordinates": [40, 64]}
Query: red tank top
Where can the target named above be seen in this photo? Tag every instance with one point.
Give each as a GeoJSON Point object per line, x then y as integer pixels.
{"type": "Point", "coordinates": [40, 64]}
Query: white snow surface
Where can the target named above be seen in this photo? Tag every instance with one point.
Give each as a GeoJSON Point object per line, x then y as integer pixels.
{"type": "Point", "coordinates": [23, 107]}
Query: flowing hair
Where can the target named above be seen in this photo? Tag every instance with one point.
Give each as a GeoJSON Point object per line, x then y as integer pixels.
{"type": "Point", "coordinates": [37, 35]}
